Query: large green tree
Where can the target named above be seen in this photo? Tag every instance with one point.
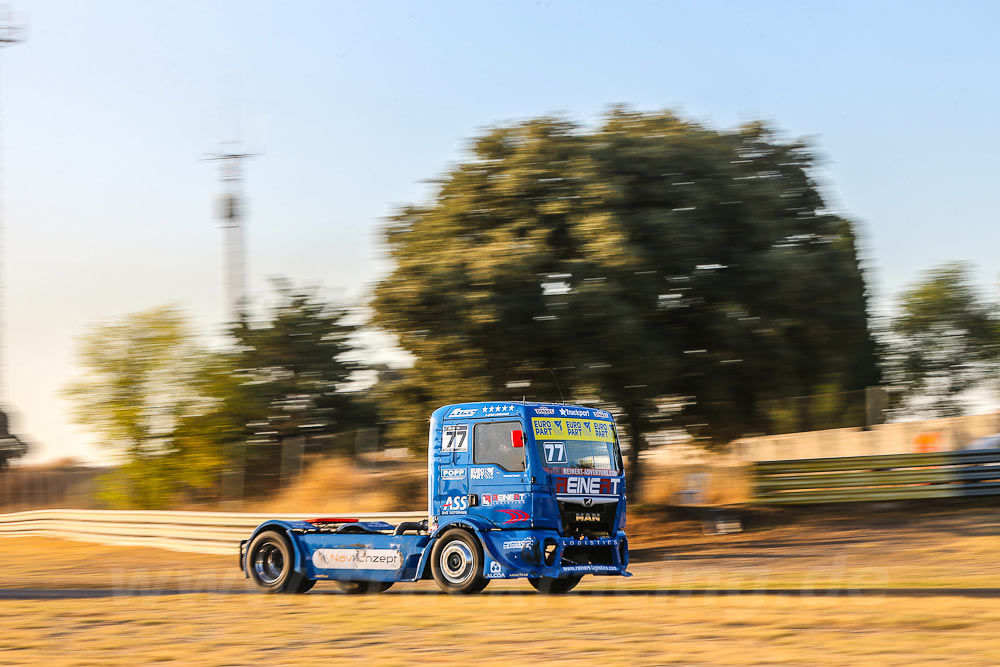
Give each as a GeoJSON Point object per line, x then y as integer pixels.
{"type": "Point", "coordinates": [944, 341]}
{"type": "Point", "coordinates": [674, 273]}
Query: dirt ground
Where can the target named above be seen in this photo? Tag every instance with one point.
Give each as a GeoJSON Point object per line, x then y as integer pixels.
{"type": "Point", "coordinates": [886, 585]}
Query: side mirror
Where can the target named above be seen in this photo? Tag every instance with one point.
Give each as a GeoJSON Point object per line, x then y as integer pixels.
{"type": "Point", "coordinates": [517, 438]}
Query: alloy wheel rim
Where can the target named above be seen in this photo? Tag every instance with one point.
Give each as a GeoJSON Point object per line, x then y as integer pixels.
{"type": "Point", "coordinates": [457, 562]}
{"type": "Point", "coordinates": [268, 563]}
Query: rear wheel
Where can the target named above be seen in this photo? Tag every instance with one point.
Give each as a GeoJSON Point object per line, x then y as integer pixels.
{"type": "Point", "coordinates": [457, 563]}
{"type": "Point", "coordinates": [552, 585]}
{"type": "Point", "coordinates": [363, 587]}
{"type": "Point", "coordinates": [269, 564]}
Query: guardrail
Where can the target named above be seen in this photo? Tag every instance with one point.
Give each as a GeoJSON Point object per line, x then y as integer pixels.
{"type": "Point", "coordinates": [203, 532]}
{"type": "Point", "coordinates": [870, 478]}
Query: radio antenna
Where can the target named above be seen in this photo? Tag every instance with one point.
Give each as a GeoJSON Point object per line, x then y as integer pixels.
{"type": "Point", "coordinates": [556, 380]}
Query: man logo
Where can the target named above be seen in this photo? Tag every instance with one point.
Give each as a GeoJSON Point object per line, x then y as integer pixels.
{"type": "Point", "coordinates": [588, 502]}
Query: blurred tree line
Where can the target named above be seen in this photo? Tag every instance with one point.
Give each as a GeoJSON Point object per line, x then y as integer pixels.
{"type": "Point", "coordinates": [180, 415]}
{"type": "Point", "coordinates": [942, 344]}
{"type": "Point", "coordinates": [677, 275]}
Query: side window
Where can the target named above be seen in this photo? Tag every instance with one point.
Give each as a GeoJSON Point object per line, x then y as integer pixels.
{"type": "Point", "coordinates": [492, 444]}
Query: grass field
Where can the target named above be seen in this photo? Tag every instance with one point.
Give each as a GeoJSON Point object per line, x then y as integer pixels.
{"type": "Point", "coordinates": [829, 590]}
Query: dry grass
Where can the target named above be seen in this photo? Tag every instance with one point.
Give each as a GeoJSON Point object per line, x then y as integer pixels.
{"type": "Point", "coordinates": [336, 485]}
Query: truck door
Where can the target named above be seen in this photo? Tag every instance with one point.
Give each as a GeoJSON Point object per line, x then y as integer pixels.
{"type": "Point", "coordinates": [498, 482]}
{"type": "Point", "coordinates": [451, 486]}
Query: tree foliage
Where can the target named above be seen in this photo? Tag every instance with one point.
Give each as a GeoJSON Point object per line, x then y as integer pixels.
{"type": "Point", "coordinates": [178, 416]}
{"type": "Point", "coordinates": [294, 371]}
{"type": "Point", "coordinates": [944, 342]}
{"type": "Point", "coordinates": [136, 387]}
{"type": "Point", "coordinates": [674, 273]}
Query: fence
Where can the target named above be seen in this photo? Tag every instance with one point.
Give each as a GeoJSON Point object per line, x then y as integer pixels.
{"type": "Point", "coordinates": [32, 488]}
{"type": "Point", "coordinates": [873, 478]}
{"type": "Point", "coordinates": [203, 532]}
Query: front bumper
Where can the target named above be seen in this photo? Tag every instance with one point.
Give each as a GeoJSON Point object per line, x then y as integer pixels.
{"type": "Point", "coordinates": [547, 554]}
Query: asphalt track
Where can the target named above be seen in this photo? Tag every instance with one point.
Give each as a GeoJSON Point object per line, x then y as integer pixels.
{"type": "Point", "coordinates": [92, 593]}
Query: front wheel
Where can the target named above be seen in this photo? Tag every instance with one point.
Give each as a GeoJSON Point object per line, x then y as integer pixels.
{"type": "Point", "coordinates": [269, 565]}
{"type": "Point", "coordinates": [552, 585]}
{"type": "Point", "coordinates": [457, 563]}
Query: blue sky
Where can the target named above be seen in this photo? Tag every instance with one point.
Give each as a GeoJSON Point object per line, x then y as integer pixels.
{"type": "Point", "coordinates": [107, 107]}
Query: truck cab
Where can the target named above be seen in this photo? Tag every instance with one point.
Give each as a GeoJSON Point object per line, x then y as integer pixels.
{"type": "Point", "coordinates": [515, 490]}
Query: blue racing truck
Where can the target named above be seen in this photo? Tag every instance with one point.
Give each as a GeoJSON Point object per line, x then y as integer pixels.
{"type": "Point", "coordinates": [515, 490]}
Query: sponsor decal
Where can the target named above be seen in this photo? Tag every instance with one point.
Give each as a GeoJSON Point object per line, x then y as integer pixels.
{"type": "Point", "coordinates": [357, 559]}
{"type": "Point", "coordinates": [570, 412]}
{"type": "Point", "coordinates": [482, 473]}
{"type": "Point", "coordinates": [544, 411]}
{"type": "Point", "coordinates": [455, 504]}
{"type": "Point", "coordinates": [587, 486]}
{"type": "Point", "coordinates": [587, 517]}
{"type": "Point", "coordinates": [590, 568]}
{"type": "Point", "coordinates": [602, 414]}
{"type": "Point", "coordinates": [455, 438]}
{"type": "Point", "coordinates": [516, 516]}
{"type": "Point", "coordinates": [572, 429]}
{"type": "Point", "coordinates": [495, 568]}
{"type": "Point", "coordinates": [603, 472]}
{"type": "Point", "coordinates": [453, 473]}
{"type": "Point", "coordinates": [491, 409]}
{"type": "Point", "coordinates": [459, 413]}
{"type": "Point", "coordinates": [591, 542]}
{"type": "Point", "coordinates": [517, 545]}
{"type": "Point", "coordinates": [555, 452]}
{"type": "Point", "coordinates": [502, 499]}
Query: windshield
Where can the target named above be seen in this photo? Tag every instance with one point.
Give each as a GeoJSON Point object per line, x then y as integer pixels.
{"type": "Point", "coordinates": [595, 456]}
{"type": "Point", "coordinates": [581, 445]}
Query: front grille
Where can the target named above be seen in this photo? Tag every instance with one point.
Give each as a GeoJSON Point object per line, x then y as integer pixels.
{"type": "Point", "coordinates": [594, 521]}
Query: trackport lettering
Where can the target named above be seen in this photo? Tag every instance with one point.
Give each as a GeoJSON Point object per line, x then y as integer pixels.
{"type": "Point", "coordinates": [587, 486]}
{"type": "Point", "coordinates": [357, 559]}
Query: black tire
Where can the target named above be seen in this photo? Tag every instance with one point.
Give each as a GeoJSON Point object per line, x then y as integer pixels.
{"type": "Point", "coordinates": [305, 585]}
{"type": "Point", "coordinates": [364, 587]}
{"type": "Point", "coordinates": [552, 585]}
{"type": "Point", "coordinates": [269, 564]}
{"type": "Point", "coordinates": [457, 563]}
